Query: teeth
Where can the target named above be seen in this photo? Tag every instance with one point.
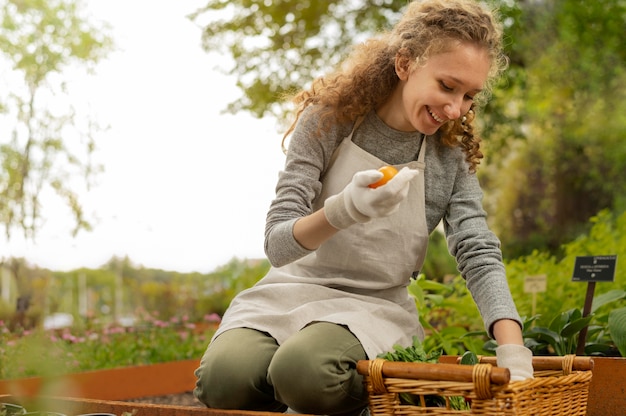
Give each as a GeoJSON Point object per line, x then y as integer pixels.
{"type": "Point", "coordinates": [435, 116]}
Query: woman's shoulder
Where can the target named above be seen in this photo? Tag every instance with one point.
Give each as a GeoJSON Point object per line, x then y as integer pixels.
{"type": "Point", "coordinates": [323, 122]}
{"type": "Point", "coordinates": [318, 128]}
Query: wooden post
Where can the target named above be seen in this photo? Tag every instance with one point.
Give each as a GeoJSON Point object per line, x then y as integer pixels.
{"type": "Point", "coordinates": [582, 336]}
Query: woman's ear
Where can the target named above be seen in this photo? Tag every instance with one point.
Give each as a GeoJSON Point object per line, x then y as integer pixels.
{"type": "Point", "coordinates": [403, 66]}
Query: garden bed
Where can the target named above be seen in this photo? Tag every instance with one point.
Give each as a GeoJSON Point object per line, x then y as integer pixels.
{"type": "Point", "coordinates": [178, 399]}
{"type": "Point", "coordinates": [76, 406]}
{"type": "Point", "coordinates": [112, 384]}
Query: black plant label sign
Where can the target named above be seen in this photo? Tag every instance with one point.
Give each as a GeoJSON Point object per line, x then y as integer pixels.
{"type": "Point", "coordinates": [594, 269]}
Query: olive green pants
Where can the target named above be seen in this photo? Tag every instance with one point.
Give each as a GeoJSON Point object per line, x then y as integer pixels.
{"type": "Point", "coordinates": [313, 372]}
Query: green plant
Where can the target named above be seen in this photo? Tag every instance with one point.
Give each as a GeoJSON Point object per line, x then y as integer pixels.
{"type": "Point", "coordinates": [150, 341]}
{"type": "Point", "coordinates": [606, 330]}
{"type": "Point", "coordinates": [412, 353]}
{"type": "Point", "coordinates": [447, 312]}
{"type": "Point", "coordinates": [617, 326]}
{"type": "Point", "coordinates": [605, 237]}
{"type": "Point", "coordinates": [561, 336]}
{"type": "Point", "coordinates": [417, 353]}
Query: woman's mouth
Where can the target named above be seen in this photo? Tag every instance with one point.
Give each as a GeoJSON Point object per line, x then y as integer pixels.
{"type": "Point", "coordinates": [435, 116]}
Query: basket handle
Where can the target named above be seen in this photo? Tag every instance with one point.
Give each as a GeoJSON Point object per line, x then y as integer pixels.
{"type": "Point", "coordinates": [428, 371]}
{"type": "Point", "coordinates": [567, 363]}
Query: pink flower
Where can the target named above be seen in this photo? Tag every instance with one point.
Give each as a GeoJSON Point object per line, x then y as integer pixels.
{"type": "Point", "coordinates": [213, 317]}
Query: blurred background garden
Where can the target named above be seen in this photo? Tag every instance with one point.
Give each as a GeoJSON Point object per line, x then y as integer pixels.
{"type": "Point", "coordinates": [553, 134]}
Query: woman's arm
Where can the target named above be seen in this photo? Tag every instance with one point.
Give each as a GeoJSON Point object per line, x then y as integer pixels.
{"type": "Point", "coordinates": [299, 184]}
{"type": "Point", "coordinates": [511, 352]}
{"type": "Point", "coordinates": [507, 331]}
{"type": "Point", "coordinates": [311, 231]}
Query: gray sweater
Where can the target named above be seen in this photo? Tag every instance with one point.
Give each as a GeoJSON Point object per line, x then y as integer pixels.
{"type": "Point", "coordinates": [453, 195]}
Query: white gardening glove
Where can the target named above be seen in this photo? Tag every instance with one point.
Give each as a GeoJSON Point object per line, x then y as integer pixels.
{"type": "Point", "coordinates": [518, 359]}
{"type": "Point", "coordinates": [360, 203]}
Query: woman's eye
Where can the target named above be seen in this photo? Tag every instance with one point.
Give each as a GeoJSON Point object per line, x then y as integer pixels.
{"type": "Point", "coordinates": [445, 86]}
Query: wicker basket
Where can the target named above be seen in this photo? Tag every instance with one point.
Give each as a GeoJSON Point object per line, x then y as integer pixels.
{"type": "Point", "coordinates": [560, 387]}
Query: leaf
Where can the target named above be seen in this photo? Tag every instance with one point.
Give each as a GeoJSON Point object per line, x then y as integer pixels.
{"type": "Point", "coordinates": [528, 322]}
{"type": "Point", "coordinates": [595, 349]}
{"type": "Point", "coordinates": [617, 327]}
{"type": "Point", "coordinates": [416, 291]}
{"type": "Point", "coordinates": [575, 327]}
{"type": "Point", "coordinates": [574, 314]}
{"type": "Point", "coordinates": [452, 332]}
{"type": "Point", "coordinates": [435, 299]}
{"type": "Point", "coordinates": [545, 335]}
{"type": "Point", "coordinates": [490, 346]}
{"type": "Point", "coordinates": [434, 286]}
{"type": "Point", "coordinates": [606, 298]}
{"type": "Point", "coordinates": [559, 321]}
{"type": "Point", "coordinates": [533, 345]}
{"type": "Point", "coordinates": [413, 353]}
{"type": "Point", "coordinates": [469, 358]}
{"type": "Point", "coordinates": [475, 334]}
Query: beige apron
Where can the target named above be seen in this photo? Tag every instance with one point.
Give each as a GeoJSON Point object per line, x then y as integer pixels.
{"type": "Point", "coordinates": [358, 278]}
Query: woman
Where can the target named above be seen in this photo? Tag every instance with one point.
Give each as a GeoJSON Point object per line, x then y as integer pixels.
{"type": "Point", "coordinates": [343, 253]}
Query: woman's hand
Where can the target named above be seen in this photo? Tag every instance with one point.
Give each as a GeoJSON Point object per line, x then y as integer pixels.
{"type": "Point", "coordinates": [512, 353]}
{"type": "Point", "coordinates": [360, 203]}
{"type": "Point", "coordinates": [517, 358]}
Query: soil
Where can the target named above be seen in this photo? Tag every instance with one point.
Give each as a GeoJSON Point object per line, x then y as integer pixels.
{"type": "Point", "coordinates": [182, 399]}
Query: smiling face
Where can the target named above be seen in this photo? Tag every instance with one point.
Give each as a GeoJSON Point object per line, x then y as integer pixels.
{"type": "Point", "coordinates": [442, 89]}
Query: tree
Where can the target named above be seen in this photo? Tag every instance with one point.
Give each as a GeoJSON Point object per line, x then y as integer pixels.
{"type": "Point", "coordinates": [279, 46]}
{"type": "Point", "coordinates": [45, 146]}
{"type": "Point", "coordinates": [569, 106]}
{"type": "Point", "coordinates": [553, 129]}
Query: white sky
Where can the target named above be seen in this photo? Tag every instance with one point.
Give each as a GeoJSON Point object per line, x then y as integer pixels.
{"type": "Point", "coordinates": [185, 187]}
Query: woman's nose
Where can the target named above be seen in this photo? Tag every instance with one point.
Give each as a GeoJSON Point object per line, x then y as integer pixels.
{"type": "Point", "coordinates": [452, 110]}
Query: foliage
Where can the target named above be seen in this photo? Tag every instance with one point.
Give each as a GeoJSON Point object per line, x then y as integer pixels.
{"type": "Point", "coordinates": [94, 346]}
{"type": "Point", "coordinates": [48, 145]}
{"type": "Point", "coordinates": [279, 46]}
{"type": "Point", "coordinates": [571, 72]}
{"type": "Point", "coordinates": [439, 264]}
{"type": "Point", "coordinates": [562, 334]}
{"type": "Point", "coordinates": [229, 280]}
{"type": "Point", "coordinates": [617, 326]}
{"type": "Point", "coordinates": [413, 353]}
{"type": "Point", "coordinates": [417, 353]}
{"type": "Point", "coordinates": [115, 291]}
{"type": "Point", "coordinates": [606, 237]}
{"type": "Point", "coordinates": [447, 312]}
{"type": "Point", "coordinates": [453, 324]}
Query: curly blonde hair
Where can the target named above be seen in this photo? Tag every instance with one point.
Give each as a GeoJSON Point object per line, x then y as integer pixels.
{"type": "Point", "coordinates": [367, 78]}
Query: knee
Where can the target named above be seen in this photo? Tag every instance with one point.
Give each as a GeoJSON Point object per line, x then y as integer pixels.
{"type": "Point", "coordinates": [232, 375]}
{"type": "Point", "coordinates": [310, 383]}
{"type": "Point", "coordinates": [211, 378]}
{"type": "Point", "coordinates": [293, 369]}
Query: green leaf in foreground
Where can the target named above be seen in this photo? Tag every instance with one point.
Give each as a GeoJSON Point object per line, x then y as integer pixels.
{"type": "Point", "coordinates": [469, 358]}
{"type": "Point", "coordinates": [617, 327]}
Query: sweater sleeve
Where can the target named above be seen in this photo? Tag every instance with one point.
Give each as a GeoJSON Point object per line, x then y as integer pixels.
{"type": "Point", "coordinates": [477, 251]}
{"type": "Point", "coordinates": [299, 184]}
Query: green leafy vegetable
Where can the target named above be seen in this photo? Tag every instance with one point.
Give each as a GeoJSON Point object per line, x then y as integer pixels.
{"type": "Point", "coordinates": [416, 353]}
